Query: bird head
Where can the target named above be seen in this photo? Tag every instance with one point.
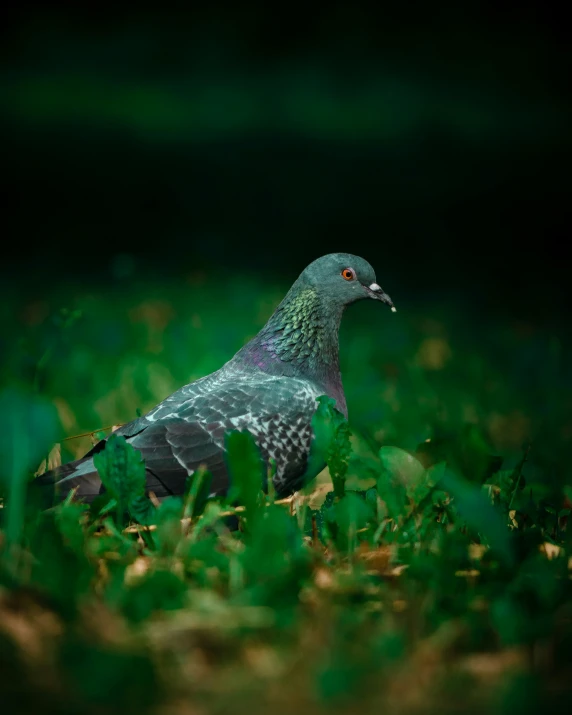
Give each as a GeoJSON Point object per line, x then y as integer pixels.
{"type": "Point", "coordinates": [344, 279]}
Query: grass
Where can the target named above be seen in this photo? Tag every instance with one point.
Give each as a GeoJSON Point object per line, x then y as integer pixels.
{"type": "Point", "coordinates": [433, 575]}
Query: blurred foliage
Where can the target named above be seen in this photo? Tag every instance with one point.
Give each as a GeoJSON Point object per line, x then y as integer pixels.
{"type": "Point", "coordinates": [432, 575]}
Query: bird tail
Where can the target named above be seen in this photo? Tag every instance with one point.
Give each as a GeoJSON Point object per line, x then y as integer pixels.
{"type": "Point", "coordinates": [80, 475]}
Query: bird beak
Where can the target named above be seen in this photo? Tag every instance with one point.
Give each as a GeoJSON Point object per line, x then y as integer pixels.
{"type": "Point", "coordinates": [376, 292]}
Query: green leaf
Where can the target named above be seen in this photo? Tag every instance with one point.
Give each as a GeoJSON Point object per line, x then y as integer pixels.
{"type": "Point", "coordinates": [29, 426]}
{"type": "Point", "coordinates": [122, 472]}
{"type": "Point", "coordinates": [347, 515]}
{"type": "Point", "coordinates": [402, 476]}
{"type": "Point", "coordinates": [393, 495]}
{"type": "Point", "coordinates": [69, 520]}
{"type": "Point", "coordinates": [246, 471]}
{"type": "Point", "coordinates": [331, 441]}
{"type": "Point", "coordinates": [102, 504]}
{"type": "Point", "coordinates": [197, 489]}
{"type": "Point", "coordinates": [401, 465]}
{"type": "Point", "coordinates": [121, 469]}
{"type": "Point", "coordinates": [275, 562]}
{"type": "Point", "coordinates": [169, 527]}
{"type": "Point", "coordinates": [403, 469]}
{"type": "Point", "coordinates": [142, 509]}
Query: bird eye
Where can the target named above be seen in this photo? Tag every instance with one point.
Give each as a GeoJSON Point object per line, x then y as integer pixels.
{"type": "Point", "coordinates": [348, 274]}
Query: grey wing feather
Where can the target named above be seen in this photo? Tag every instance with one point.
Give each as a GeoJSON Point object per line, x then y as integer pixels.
{"type": "Point", "coordinates": [187, 430]}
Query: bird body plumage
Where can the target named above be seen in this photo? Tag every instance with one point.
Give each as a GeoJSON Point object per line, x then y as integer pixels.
{"type": "Point", "coordinates": [269, 388]}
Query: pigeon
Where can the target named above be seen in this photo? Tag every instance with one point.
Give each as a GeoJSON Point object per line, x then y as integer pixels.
{"type": "Point", "coordinates": [269, 388]}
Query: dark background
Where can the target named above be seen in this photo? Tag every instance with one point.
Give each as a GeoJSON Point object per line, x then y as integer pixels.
{"type": "Point", "coordinates": [432, 139]}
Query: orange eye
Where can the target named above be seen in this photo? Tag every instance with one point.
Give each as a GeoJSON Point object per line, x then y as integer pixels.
{"type": "Point", "coordinates": [348, 274]}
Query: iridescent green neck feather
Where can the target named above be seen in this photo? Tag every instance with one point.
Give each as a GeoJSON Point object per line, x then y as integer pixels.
{"type": "Point", "coordinates": [301, 339]}
{"type": "Point", "coordinates": [300, 331]}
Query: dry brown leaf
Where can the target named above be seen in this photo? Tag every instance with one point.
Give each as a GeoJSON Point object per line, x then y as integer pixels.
{"type": "Point", "coordinates": [53, 460]}
{"type": "Point", "coordinates": [102, 624]}
{"type": "Point", "coordinates": [433, 353]}
{"type": "Point", "coordinates": [313, 499]}
{"type": "Point", "coordinates": [323, 578]}
{"type": "Point", "coordinates": [153, 499]}
{"type": "Point", "coordinates": [65, 414]}
{"type": "Point", "coordinates": [551, 551]}
{"type": "Point", "coordinates": [29, 625]}
{"type": "Point", "coordinates": [137, 569]}
{"type": "Point", "coordinates": [264, 661]}
{"type": "Point", "coordinates": [396, 570]}
{"type": "Point", "coordinates": [476, 551]}
{"type": "Point", "coordinates": [493, 665]}
{"type": "Point", "coordinates": [377, 559]}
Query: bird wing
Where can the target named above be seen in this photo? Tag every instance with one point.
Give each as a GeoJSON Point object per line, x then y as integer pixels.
{"type": "Point", "coordinates": [182, 434]}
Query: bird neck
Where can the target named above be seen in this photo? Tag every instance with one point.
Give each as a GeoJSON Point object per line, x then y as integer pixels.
{"type": "Point", "coordinates": [301, 339]}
